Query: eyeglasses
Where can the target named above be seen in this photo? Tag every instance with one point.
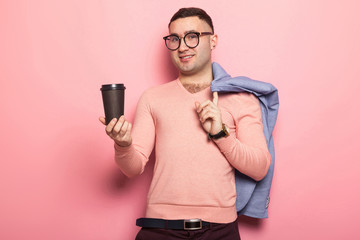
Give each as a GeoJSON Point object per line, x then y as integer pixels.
{"type": "Point", "coordinates": [191, 40]}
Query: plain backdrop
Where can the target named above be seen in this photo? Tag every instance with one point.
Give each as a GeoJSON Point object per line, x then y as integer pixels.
{"type": "Point", "coordinates": [58, 178]}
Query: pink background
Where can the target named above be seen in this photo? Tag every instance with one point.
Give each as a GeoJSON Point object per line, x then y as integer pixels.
{"type": "Point", "coordinates": [58, 179]}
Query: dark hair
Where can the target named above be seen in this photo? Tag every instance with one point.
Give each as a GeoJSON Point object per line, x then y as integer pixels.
{"type": "Point", "coordinates": [192, 12]}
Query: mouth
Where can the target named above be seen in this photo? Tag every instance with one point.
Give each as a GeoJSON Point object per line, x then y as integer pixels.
{"type": "Point", "coordinates": [185, 58]}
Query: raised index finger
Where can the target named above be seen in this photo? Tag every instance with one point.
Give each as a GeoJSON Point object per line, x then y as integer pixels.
{"type": "Point", "coordinates": [215, 98]}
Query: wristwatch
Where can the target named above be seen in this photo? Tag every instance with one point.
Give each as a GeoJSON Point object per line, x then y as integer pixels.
{"type": "Point", "coordinates": [223, 133]}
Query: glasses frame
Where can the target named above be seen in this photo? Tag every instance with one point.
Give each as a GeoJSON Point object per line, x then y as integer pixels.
{"type": "Point", "coordinates": [199, 34]}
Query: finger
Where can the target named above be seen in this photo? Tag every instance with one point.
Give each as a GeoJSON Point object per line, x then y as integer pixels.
{"type": "Point", "coordinates": [202, 114]}
{"type": "Point", "coordinates": [125, 140]}
{"type": "Point", "coordinates": [208, 115]}
{"type": "Point", "coordinates": [128, 131]}
{"type": "Point", "coordinates": [204, 104]}
{"type": "Point", "coordinates": [197, 104]}
{"type": "Point", "coordinates": [215, 98]}
{"type": "Point", "coordinates": [210, 107]}
{"type": "Point", "coordinates": [102, 120]}
{"type": "Point", "coordinates": [118, 125]}
{"type": "Point", "coordinates": [124, 128]}
{"type": "Point", "coordinates": [110, 126]}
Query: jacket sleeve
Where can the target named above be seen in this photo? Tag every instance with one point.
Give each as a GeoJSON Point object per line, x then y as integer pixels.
{"type": "Point", "coordinates": [132, 159]}
{"type": "Point", "coordinates": [246, 148]}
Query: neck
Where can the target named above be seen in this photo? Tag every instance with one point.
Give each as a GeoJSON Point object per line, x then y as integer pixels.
{"type": "Point", "coordinates": [201, 78]}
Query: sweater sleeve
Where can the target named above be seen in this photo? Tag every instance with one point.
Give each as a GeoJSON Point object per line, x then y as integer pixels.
{"type": "Point", "coordinates": [246, 150]}
{"type": "Point", "coordinates": [132, 159]}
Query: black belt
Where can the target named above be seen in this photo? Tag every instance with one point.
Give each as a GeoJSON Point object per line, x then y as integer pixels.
{"type": "Point", "coordinates": [187, 224]}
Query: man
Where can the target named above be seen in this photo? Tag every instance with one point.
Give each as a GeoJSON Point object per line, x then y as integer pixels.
{"type": "Point", "coordinates": [199, 139]}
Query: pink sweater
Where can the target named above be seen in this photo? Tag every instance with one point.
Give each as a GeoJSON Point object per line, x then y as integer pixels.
{"type": "Point", "coordinates": [194, 176]}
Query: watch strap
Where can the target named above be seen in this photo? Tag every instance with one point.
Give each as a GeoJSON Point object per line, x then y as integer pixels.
{"type": "Point", "coordinates": [222, 133]}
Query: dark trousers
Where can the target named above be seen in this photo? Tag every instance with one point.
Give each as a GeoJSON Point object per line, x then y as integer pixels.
{"type": "Point", "coordinates": [215, 231]}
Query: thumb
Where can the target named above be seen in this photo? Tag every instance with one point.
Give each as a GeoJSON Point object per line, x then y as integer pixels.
{"type": "Point", "coordinates": [102, 119]}
{"type": "Point", "coordinates": [215, 98]}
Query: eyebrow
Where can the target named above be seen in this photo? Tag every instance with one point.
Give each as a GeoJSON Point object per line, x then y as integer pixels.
{"type": "Point", "coordinates": [184, 32]}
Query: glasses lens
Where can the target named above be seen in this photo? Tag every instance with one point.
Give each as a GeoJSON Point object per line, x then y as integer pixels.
{"type": "Point", "coordinates": [172, 42]}
{"type": "Point", "coordinates": [191, 40]}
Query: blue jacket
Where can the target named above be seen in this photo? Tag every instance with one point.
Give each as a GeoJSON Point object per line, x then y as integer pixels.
{"type": "Point", "coordinates": [252, 196]}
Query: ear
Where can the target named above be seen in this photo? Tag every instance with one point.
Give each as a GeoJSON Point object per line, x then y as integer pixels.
{"type": "Point", "coordinates": [213, 41]}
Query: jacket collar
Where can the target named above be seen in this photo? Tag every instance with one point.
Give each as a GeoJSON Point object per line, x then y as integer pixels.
{"type": "Point", "coordinates": [219, 73]}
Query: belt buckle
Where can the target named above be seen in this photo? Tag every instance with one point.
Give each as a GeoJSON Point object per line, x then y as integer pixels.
{"type": "Point", "coordinates": [192, 224]}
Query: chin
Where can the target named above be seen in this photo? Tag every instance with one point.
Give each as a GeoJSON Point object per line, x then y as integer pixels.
{"type": "Point", "coordinates": [186, 70]}
{"type": "Point", "coordinates": [187, 73]}
{"type": "Point", "coordinates": [186, 66]}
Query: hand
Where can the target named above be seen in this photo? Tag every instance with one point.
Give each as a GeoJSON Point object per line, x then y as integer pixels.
{"type": "Point", "coordinates": [210, 115]}
{"type": "Point", "coordinates": [119, 131]}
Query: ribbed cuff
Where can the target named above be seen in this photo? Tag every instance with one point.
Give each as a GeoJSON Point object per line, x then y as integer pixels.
{"type": "Point", "coordinates": [226, 144]}
{"type": "Point", "coordinates": [121, 149]}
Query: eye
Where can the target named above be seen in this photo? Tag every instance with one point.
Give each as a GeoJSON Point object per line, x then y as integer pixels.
{"type": "Point", "coordinates": [191, 36]}
{"type": "Point", "coordinates": [173, 39]}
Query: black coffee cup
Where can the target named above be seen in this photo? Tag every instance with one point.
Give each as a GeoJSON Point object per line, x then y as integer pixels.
{"type": "Point", "coordinates": [113, 96]}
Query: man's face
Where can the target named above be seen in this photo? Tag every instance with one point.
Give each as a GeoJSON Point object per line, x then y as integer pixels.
{"type": "Point", "coordinates": [190, 61]}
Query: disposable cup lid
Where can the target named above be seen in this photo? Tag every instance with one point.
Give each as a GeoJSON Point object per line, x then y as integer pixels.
{"type": "Point", "coordinates": [117, 86]}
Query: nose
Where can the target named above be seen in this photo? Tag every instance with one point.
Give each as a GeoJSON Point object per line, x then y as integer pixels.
{"type": "Point", "coordinates": [183, 47]}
